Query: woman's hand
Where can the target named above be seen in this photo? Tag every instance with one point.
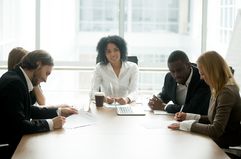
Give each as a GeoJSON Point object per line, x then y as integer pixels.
{"type": "Point", "coordinates": [123, 101]}
{"type": "Point", "coordinates": [109, 100]}
{"type": "Point", "coordinates": [174, 126]}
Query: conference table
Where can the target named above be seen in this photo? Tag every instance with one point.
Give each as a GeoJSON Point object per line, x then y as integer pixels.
{"type": "Point", "coordinates": [118, 137]}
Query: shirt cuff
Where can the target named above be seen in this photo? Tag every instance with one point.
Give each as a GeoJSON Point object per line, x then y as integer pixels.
{"type": "Point", "coordinates": [51, 124]}
{"type": "Point", "coordinates": [58, 111]}
{"type": "Point", "coordinates": [186, 125]}
{"type": "Point", "coordinates": [169, 103]}
{"type": "Point", "coordinates": [191, 116]}
{"type": "Point", "coordinates": [132, 97]}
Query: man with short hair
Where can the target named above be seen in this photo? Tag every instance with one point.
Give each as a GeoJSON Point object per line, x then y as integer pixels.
{"type": "Point", "coordinates": [182, 87]}
{"type": "Point", "coordinates": [18, 116]}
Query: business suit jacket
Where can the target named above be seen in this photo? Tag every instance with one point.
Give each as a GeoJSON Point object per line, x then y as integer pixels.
{"type": "Point", "coordinates": [197, 99]}
{"type": "Point", "coordinates": [223, 121]}
{"type": "Point", "coordinates": [17, 111]}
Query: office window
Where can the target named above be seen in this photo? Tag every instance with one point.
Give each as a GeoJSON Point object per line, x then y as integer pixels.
{"type": "Point", "coordinates": [155, 28]}
{"type": "Point", "coordinates": [70, 30]}
{"type": "Point", "coordinates": [152, 15]}
{"type": "Point", "coordinates": [98, 15]}
{"type": "Point", "coordinates": [17, 26]}
{"type": "Point", "coordinates": [221, 19]}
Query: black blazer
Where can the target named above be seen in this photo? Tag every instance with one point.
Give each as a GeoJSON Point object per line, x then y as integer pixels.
{"type": "Point", "coordinates": [17, 110]}
{"type": "Point", "coordinates": [197, 99]}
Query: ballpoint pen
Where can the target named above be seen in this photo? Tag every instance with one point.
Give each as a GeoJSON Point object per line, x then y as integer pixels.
{"type": "Point", "coordinates": [181, 109]}
{"type": "Point", "coordinates": [179, 113]}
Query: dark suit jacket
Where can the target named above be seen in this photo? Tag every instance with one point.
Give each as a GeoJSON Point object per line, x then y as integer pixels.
{"type": "Point", "coordinates": [33, 97]}
{"type": "Point", "coordinates": [17, 111]}
{"type": "Point", "coordinates": [197, 99]}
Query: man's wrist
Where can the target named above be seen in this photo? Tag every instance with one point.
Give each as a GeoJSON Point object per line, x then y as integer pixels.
{"type": "Point", "coordinates": [51, 124]}
{"type": "Point", "coordinates": [128, 100]}
{"type": "Point", "coordinates": [58, 111]}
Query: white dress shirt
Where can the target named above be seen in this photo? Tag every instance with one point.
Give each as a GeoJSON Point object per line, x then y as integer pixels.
{"type": "Point", "coordinates": [123, 86]}
{"type": "Point", "coordinates": [181, 91]}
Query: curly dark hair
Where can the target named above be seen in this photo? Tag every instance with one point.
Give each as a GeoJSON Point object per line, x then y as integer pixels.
{"type": "Point", "coordinates": [102, 45]}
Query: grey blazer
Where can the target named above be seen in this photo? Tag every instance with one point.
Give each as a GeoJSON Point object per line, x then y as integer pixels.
{"type": "Point", "coordinates": [222, 123]}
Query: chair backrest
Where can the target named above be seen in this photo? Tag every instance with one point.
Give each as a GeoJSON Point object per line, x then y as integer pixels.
{"type": "Point", "coordinates": [233, 152]}
{"type": "Point", "coordinates": [231, 69]}
{"type": "Point", "coordinates": [129, 58]}
{"type": "Point", "coordinates": [132, 59]}
{"type": "Point", "coordinates": [194, 64]}
{"type": "Point", "coordinates": [5, 152]}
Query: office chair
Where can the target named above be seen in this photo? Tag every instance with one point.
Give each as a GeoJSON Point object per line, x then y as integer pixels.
{"type": "Point", "coordinates": [233, 152]}
{"type": "Point", "coordinates": [129, 58]}
{"type": "Point", "coordinates": [132, 59]}
{"type": "Point", "coordinates": [232, 70]}
{"type": "Point", "coordinates": [4, 151]}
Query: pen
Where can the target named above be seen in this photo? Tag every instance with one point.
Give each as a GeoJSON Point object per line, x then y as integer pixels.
{"type": "Point", "coordinates": [181, 109]}
{"type": "Point", "coordinates": [3, 145]}
{"type": "Point", "coordinates": [178, 116]}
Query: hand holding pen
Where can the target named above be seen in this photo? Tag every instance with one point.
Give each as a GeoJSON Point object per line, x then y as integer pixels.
{"type": "Point", "coordinates": [180, 116]}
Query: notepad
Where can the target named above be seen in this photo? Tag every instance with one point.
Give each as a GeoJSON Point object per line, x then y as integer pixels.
{"type": "Point", "coordinates": [81, 119]}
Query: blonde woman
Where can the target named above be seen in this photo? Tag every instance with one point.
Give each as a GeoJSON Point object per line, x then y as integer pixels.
{"type": "Point", "coordinates": [222, 123]}
{"type": "Point", "coordinates": [14, 57]}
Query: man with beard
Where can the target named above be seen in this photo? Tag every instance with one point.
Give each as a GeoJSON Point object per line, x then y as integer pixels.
{"type": "Point", "coordinates": [18, 116]}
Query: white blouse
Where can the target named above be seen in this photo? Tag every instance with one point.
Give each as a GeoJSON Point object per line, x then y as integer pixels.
{"type": "Point", "coordinates": [123, 86]}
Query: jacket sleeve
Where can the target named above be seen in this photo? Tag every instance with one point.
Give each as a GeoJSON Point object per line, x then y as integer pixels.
{"type": "Point", "coordinates": [19, 112]}
{"type": "Point", "coordinates": [197, 104]}
{"type": "Point", "coordinates": [222, 108]}
{"type": "Point", "coordinates": [167, 94]}
{"type": "Point", "coordinates": [197, 100]}
{"type": "Point", "coordinates": [164, 95]}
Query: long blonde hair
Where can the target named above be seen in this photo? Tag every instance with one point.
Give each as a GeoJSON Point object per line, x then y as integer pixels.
{"type": "Point", "coordinates": [216, 70]}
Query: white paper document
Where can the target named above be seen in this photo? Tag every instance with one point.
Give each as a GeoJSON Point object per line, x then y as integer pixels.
{"type": "Point", "coordinates": [81, 119]}
{"type": "Point", "coordinates": [160, 112]}
{"type": "Point", "coordinates": [113, 105]}
{"type": "Point", "coordinates": [157, 124]}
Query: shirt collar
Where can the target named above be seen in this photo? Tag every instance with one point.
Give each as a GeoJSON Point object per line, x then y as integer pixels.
{"type": "Point", "coordinates": [123, 64]}
{"type": "Point", "coordinates": [29, 83]}
{"type": "Point", "coordinates": [188, 80]}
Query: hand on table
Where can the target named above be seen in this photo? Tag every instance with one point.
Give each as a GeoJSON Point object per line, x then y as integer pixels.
{"type": "Point", "coordinates": [58, 122]}
{"type": "Point", "coordinates": [174, 126]}
{"type": "Point", "coordinates": [67, 111]}
{"type": "Point", "coordinates": [156, 103]}
{"type": "Point", "coordinates": [121, 100]}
